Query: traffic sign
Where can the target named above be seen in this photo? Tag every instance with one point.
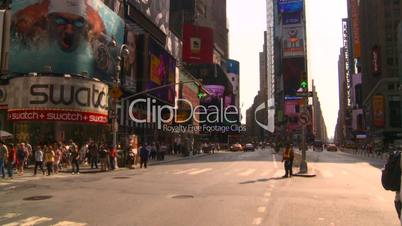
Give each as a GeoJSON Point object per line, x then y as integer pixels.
{"type": "Point", "coordinates": [116, 92]}
{"type": "Point", "coordinates": [304, 118]}
{"type": "Point", "coordinates": [304, 94]}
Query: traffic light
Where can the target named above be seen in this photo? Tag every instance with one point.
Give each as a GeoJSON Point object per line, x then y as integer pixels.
{"type": "Point", "coordinates": [201, 93]}
{"type": "Point", "coordinates": [304, 81]}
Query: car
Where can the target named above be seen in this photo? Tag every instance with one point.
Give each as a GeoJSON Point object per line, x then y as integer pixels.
{"type": "Point", "coordinates": [332, 147]}
{"type": "Point", "coordinates": [236, 147]}
{"type": "Point", "coordinates": [249, 147]}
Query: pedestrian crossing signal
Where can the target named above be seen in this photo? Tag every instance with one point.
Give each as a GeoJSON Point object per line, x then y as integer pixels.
{"type": "Point", "coordinates": [201, 93]}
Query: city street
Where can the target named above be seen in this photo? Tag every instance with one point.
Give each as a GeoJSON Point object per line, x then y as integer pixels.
{"type": "Point", "coordinates": [221, 189]}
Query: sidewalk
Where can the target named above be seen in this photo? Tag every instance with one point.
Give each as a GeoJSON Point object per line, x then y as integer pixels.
{"type": "Point", "coordinates": [364, 154]}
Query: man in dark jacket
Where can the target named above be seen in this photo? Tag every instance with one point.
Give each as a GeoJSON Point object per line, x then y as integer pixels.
{"type": "Point", "coordinates": [144, 154]}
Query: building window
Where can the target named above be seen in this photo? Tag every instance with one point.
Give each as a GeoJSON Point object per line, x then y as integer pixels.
{"type": "Point", "coordinates": [390, 61]}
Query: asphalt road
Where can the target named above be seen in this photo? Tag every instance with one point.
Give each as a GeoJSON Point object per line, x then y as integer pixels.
{"type": "Point", "coordinates": [222, 189]}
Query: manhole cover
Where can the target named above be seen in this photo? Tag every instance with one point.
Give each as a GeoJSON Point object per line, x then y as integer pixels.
{"type": "Point", "coordinates": [182, 197]}
{"type": "Point", "coordinates": [121, 178]}
{"type": "Point", "coordinates": [38, 198]}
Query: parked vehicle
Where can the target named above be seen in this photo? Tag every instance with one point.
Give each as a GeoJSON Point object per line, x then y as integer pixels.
{"type": "Point", "coordinates": [236, 147]}
{"type": "Point", "coordinates": [249, 147]}
{"type": "Point", "coordinates": [332, 147]}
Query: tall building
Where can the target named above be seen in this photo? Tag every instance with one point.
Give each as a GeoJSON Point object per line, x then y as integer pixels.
{"type": "Point", "coordinates": [340, 133]}
{"type": "Point", "coordinates": [381, 69]}
{"type": "Point", "coordinates": [319, 126]}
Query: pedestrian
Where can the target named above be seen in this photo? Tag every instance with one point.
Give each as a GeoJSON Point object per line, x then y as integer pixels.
{"type": "Point", "coordinates": [130, 157]}
{"type": "Point", "coordinates": [93, 154]}
{"type": "Point", "coordinates": [3, 158]}
{"type": "Point", "coordinates": [49, 159]}
{"type": "Point", "coordinates": [57, 159]}
{"type": "Point", "coordinates": [38, 160]}
{"type": "Point", "coordinates": [112, 157]}
{"type": "Point", "coordinates": [29, 153]}
{"type": "Point", "coordinates": [21, 157]}
{"type": "Point", "coordinates": [11, 159]}
{"type": "Point", "coordinates": [288, 156]}
{"type": "Point", "coordinates": [163, 150]}
{"type": "Point", "coordinates": [153, 152]}
{"type": "Point", "coordinates": [144, 155]}
{"type": "Point", "coordinates": [103, 156]}
{"type": "Point", "coordinates": [75, 158]}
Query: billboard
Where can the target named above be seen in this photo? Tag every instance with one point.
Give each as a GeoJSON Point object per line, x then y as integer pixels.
{"type": "Point", "coordinates": [291, 18]}
{"type": "Point", "coordinates": [293, 41]}
{"type": "Point", "coordinates": [376, 60]}
{"type": "Point", "coordinates": [49, 98]}
{"type": "Point", "coordinates": [64, 36]}
{"type": "Point", "coordinates": [130, 62]}
{"type": "Point", "coordinates": [354, 4]}
{"type": "Point", "coordinates": [162, 71]}
{"type": "Point", "coordinates": [378, 110]}
{"type": "Point", "coordinates": [292, 72]}
{"type": "Point", "coordinates": [155, 10]}
{"type": "Point", "coordinates": [198, 44]}
{"type": "Point", "coordinates": [290, 6]}
{"type": "Point", "coordinates": [216, 94]}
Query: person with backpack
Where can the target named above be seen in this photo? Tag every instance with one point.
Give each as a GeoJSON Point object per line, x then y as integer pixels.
{"type": "Point", "coordinates": [288, 156]}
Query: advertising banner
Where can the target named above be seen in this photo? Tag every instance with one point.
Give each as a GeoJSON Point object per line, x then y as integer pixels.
{"type": "Point", "coordinates": [378, 111]}
{"type": "Point", "coordinates": [64, 36]}
{"type": "Point", "coordinates": [233, 71]}
{"type": "Point", "coordinates": [58, 98]}
{"type": "Point", "coordinates": [130, 62]}
{"type": "Point", "coordinates": [162, 72]}
{"type": "Point", "coordinates": [291, 18]}
{"type": "Point", "coordinates": [376, 60]}
{"type": "Point", "coordinates": [355, 28]}
{"type": "Point", "coordinates": [156, 10]}
{"type": "Point", "coordinates": [293, 41]}
{"type": "Point", "coordinates": [198, 44]}
{"type": "Point", "coordinates": [216, 94]}
{"type": "Point", "coordinates": [290, 6]}
{"type": "Point", "coordinates": [292, 72]}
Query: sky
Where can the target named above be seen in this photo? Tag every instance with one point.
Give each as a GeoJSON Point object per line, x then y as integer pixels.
{"type": "Point", "coordinates": [247, 23]}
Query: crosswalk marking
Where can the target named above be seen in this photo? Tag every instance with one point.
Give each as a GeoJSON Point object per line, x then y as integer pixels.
{"type": "Point", "coordinates": [247, 173]}
{"type": "Point", "coordinates": [29, 221]}
{"type": "Point", "coordinates": [257, 221]}
{"type": "Point", "coordinates": [200, 171]}
{"type": "Point", "coordinates": [8, 216]}
{"type": "Point", "coordinates": [265, 173]}
{"type": "Point", "coordinates": [262, 209]}
{"type": "Point", "coordinates": [185, 171]}
{"type": "Point", "coordinates": [68, 223]}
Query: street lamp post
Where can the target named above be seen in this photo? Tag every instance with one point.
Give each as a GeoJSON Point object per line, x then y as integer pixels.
{"type": "Point", "coordinates": [122, 53]}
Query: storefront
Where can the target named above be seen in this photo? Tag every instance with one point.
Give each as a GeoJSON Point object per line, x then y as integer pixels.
{"type": "Point", "coordinates": [57, 108]}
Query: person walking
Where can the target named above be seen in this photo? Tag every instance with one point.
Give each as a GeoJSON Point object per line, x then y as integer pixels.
{"type": "Point", "coordinates": [93, 154]}
{"type": "Point", "coordinates": [11, 159]}
{"type": "Point", "coordinates": [144, 155]}
{"type": "Point", "coordinates": [49, 159]}
{"type": "Point", "coordinates": [3, 158]}
{"type": "Point", "coordinates": [21, 157]}
{"type": "Point", "coordinates": [58, 155]}
{"type": "Point", "coordinates": [288, 156]}
{"type": "Point", "coordinates": [112, 157]}
{"type": "Point", "coordinates": [75, 158]}
{"type": "Point", "coordinates": [38, 160]}
{"type": "Point", "coordinates": [103, 156]}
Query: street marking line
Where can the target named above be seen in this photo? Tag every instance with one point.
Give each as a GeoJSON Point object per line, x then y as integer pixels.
{"type": "Point", "coordinates": [257, 221]}
{"type": "Point", "coordinates": [4, 184]}
{"type": "Point", "coordinates": [200, 171]}
{"type": "Point", "coordinates": [278, 173]}
{"type": "Point", "coordinates": [9, 216]}
{"type": "Point", "coordinates": [262, 209]}
{"type": "Point", "coordinates": [344, 172]}
{"type": "Point", "coordinates": [185, 171]}
{"type": "Point", "coordinates": [29, 221]}
{"type": "Point", "coordinates": [265, 199]}
{"type": "Point", "coordinates": [275, 164]}
{"type": "Point", "coordinates": [247, 173]}
{"type": "Point", "coordinates": [68, 223]}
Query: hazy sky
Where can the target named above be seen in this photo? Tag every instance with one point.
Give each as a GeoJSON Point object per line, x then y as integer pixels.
{"type": "Point", "coordinates": [247, 22]}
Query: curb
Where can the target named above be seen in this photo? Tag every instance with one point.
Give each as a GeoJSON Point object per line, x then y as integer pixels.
{"type": "Point", "coordinates": [176, 160]}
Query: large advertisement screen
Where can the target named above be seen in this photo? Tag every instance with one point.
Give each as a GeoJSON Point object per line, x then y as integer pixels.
{"type": "Point", "coordinates": [293, 41]}
{"type": "Point", "coordinates": [131, 61]}
{"type": "Point", "coordinates": [291, 18]}
{"type": "Point", "coordinates": [162, 71]}
{"type": "Point", "coordinates": [198, 44]}
{"type": "Point", "coordinates": [378, 110]}
{"type": "Point", "coordinates": [64, 36]}
{"type": "Point", "coordinates": [156, 10]}
{"type": "Point", "coordinates": [290, 6]}
{"type": "Point", "coordinates": [292, 72]}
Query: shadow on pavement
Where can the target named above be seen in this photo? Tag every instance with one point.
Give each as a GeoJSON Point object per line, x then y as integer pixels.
{"type": "Point", "coordinates": [262, 180]}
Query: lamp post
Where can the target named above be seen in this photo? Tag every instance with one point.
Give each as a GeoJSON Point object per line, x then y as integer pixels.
{"type": "Point", "coordinates": [122, 53]}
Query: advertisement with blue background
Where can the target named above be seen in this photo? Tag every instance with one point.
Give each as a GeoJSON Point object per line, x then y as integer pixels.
{"type": "Point", "coordinates": [64, 36]}
{"type": "Point", "coordinates": [290, 6]}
